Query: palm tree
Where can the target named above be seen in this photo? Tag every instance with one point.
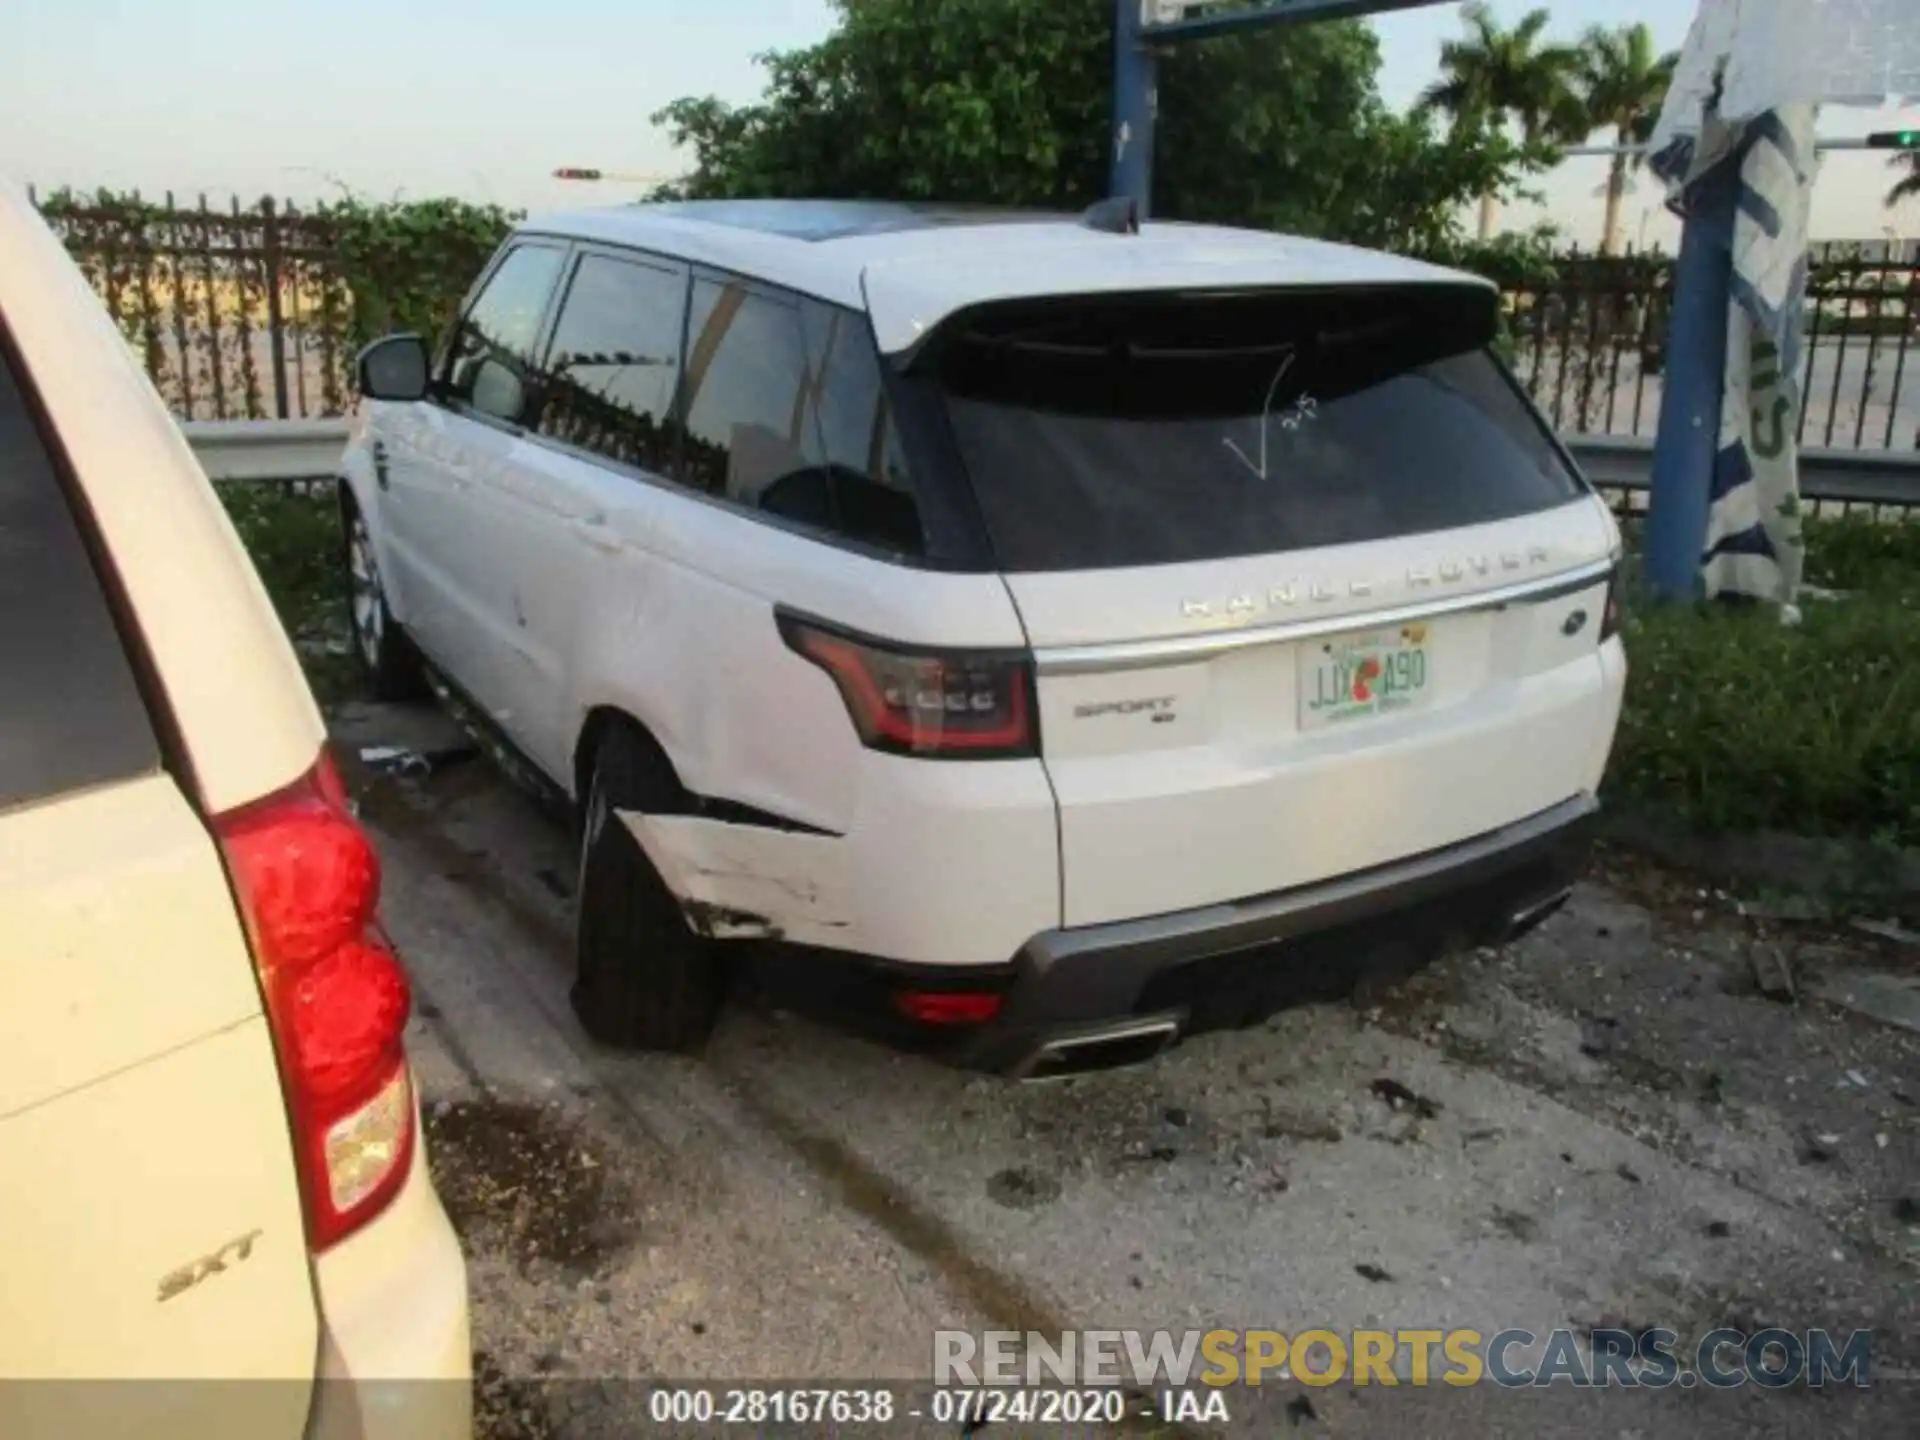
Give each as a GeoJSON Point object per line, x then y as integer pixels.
{"type": "Point", "coordinates": [1493, 76]}
{"type": "Point", "coordinates": [1622, 84]}
{"type": "Point", "coordinates": [1907, 185]}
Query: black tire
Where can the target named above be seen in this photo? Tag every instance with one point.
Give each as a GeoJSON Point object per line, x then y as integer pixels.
{"type": "Point", "coordinates": [388, 658]}
{"type": "Point", "coordinates": [645, 980]}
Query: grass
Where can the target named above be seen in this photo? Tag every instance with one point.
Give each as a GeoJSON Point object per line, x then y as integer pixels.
{"type": "Point", "coordinates": [1733, 722]}
{"type": "Point", "coordinates": [293, 534]}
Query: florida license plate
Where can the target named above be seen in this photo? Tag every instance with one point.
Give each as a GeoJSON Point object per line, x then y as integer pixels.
{"type": "Point", "coordinates": [1353, 677]}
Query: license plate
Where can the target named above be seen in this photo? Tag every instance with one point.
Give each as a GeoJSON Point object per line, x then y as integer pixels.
{"type": "Point", "coordinates": [1352, 677]}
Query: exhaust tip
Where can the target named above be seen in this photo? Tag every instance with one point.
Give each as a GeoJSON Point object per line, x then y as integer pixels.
{"type": "Point", "coordinates": [1112, 1048]}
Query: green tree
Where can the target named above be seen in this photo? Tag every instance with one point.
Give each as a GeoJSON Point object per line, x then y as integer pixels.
{"type": "Point", "coordinates": [988, 101]}
{"type": "Point", "coordinates": [1907, 185]}
{"type": "Point", "coordinates": [1007, 102]}
{"type": "Point", "coordinates": [1622, 83]}
{"type": "Point", "coordinates": [1492, 77]}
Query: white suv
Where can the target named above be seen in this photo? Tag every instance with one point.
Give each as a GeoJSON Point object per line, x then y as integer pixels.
{"type": "Point", "coordinates": [210, 1163]}
{"type": "Point", "coordinates": [1058, 633]}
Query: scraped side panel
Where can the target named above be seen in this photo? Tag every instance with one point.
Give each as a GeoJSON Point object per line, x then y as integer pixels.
{"type": "Point", "coordinates": [746, 881]}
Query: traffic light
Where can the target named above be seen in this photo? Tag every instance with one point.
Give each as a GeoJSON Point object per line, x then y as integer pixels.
{"type": "Point", "coordinates": [574, 172]}
{"type": "Point", "coordinates": [1894, 140]}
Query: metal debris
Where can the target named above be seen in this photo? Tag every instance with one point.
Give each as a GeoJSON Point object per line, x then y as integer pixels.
{"type": "Point", "coordinates": [1886, 930]}
{"type": "Point", "coordinates": [1772, 972]}
{"type": "Point", "coordinates": [414, 764]}
{"type": "Point", "coordinates": [1399, 1097]}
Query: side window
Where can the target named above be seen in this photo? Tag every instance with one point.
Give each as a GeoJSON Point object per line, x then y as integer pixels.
{"type": "Point", "coordinates": [871, 493]}
{"type": "Point", "coordinates": [786, 413]}
{"type": "Point", "coordinates": [746, 392]}
{"type": "Point", "coordinates": [490, 362]}
{"type": "Point", "coordinates": [71, 715]}
{"type": "Point", "coordinates": [610, 373]}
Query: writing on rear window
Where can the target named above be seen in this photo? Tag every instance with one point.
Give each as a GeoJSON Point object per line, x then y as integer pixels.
{"type": "Point", "coordinates": [1101, 431]}
{"type": "Point", "coordinates": [1302, 408]}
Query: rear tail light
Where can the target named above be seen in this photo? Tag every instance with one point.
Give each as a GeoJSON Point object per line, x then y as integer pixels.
{"type": "Point", "coordinates": [960, 704]}
{"type": "Point", "coordinates": [947, 1007]}
{"type": "Point", "coordinates": [308, 884]}
{"type": "Point", "coordinates": [1610, 611]}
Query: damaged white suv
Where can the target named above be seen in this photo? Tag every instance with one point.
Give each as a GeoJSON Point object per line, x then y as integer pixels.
{"type": "Point", "coordinates": [1053, 633]}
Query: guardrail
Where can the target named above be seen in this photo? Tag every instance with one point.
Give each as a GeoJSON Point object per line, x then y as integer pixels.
{"type": "Point", "coordinates": [1618, 464]}
{"type": "Point", "coordinates": [268, 449]}
{"type": "Point", "coordinates": [1623, 465]}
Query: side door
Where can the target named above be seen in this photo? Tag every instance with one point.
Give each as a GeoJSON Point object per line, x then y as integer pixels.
{"type": "Point", "coordinates": [797, 490]}
{"type": "Point", "coordinates": [148, 1193]}
{"type": "Point", "coordinates": [439, 451]}
{"type": "Point", "coordinates": [573, 495]}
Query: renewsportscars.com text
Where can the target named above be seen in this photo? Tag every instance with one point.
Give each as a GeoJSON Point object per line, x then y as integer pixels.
{"type": "Point", "coordinates": [1651, 1358]}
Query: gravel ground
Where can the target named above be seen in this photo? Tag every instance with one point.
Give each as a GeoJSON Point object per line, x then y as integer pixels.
{"type": "Point", "coordinates": [1607, 1123]}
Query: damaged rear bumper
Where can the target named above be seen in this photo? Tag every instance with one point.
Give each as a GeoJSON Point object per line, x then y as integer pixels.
{"type": "Point", "coordinates": [1112, 994]}
{"type": "Point", "coordinates": [1106, 995]}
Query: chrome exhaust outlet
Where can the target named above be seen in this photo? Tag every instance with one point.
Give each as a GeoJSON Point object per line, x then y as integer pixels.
{"type": "Point", "coordinates": [1521, 921]}
{"type": "Point", "coordinates": [1107, 1047]}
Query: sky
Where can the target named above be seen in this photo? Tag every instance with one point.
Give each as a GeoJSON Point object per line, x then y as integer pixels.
{"type": "Point", "coordinates": [485, 98]}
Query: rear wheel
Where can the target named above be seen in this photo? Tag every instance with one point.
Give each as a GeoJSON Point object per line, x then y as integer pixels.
{"type": "Point", "coordinates": [645, 980]}
{"type": "Point", "coordinates": [391, 662]}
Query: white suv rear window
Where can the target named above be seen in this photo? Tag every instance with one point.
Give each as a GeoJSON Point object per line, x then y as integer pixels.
{"type": "Point", "coordinates": [1155, 430]}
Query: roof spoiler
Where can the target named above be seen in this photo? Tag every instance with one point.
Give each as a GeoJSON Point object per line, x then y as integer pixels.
{"type": "Point", "coordinates": [1119, 215]}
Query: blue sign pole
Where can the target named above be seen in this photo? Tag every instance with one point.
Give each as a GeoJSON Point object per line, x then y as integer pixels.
{"type": "Point", "coordinates": [1688, 440]}
{"type": "Point", "coordinates": [1134, 99]}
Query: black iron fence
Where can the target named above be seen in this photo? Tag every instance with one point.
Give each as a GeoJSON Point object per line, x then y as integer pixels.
{"type": "Point", "coordinates": [1589, 338]}
{"type": "Point", "coordinates": [250, 313]}
{"type": "Point", "coordinates": [237, 314]}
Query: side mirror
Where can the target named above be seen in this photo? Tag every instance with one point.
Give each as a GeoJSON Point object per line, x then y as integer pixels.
{"type": "Point", "coordinates": [393, 368]}
{"type": "Point", "coordinates": [498, 392]}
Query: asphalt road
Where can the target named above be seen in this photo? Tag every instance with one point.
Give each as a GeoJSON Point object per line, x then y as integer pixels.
{"type": "Point", "coordinates": [1609, 1125]}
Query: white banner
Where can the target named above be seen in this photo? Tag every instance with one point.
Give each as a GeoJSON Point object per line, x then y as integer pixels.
{"type": "Point", "coordinates": [1754, 544]}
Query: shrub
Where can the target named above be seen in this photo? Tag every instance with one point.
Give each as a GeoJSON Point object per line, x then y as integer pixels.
{"type": "Point", "coordinates": [1736, 722]}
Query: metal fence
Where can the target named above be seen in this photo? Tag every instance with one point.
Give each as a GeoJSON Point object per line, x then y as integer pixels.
{"type": "Point", "coordinates": [1590, 342]}
{"type": "Point", "coordinates": [243, 313]}
{"type": "Point", "coordinates": [237, 314]}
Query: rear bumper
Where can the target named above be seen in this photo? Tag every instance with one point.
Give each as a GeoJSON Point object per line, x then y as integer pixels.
{"type": "Point", "coordinates": [396, 1361]}
{"type": "Point", "coordinates": [1118, 992]}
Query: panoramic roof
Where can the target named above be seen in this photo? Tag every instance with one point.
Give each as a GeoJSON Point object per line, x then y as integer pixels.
{"type": "Point", "coordinates": [910, 264]}
{"type": "Point", "coordinates": [838, 219]}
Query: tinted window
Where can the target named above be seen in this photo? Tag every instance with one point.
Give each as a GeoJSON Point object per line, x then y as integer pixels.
{"type": "Point", "coordinates": [786, 413]}
{"type": "Point", "coordinates": [492, 353]}
{"type": "Point", "coordinates": [610, 373]}
{"type": "Point", "coordinates": [1138, 431]}
{"type": "Point", "coordinates": [746, 392]}
{"type": "Point", "coordinates": [70, 714]}
{"type": "Point", "coordinates": [865, 474]}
